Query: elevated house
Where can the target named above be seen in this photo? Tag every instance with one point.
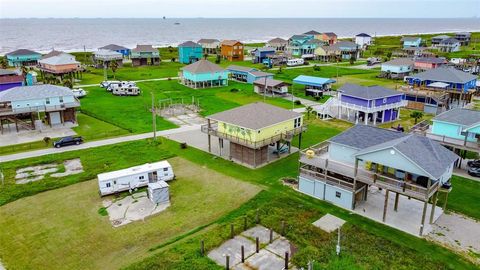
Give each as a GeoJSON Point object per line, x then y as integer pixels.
{"type": "Point", "coordinates": [408, 42]}
{"type": "Point", "coordinates": [254, 134]}
{"type": "Point", "coordinates": [23, 57]}
{"type": "Point", "coordinates": [413, 52]}
{"type": "Point", "coordinates": [261, 54]}
{"type": "Point", "coordinates": [60, 64]}
{"type": "Point", "coordinates": [314, 86]}
{"type": "Point", "coordinates": [437, 39]}
{"type": "Point", "coordinates": [457, 85]}
{"type": "Point", "coordinates": [347, 49]}
{"type": "Point", "coordinates": [369, 104]}
{"type": "Point", "coordinates": [463, 37]}
{"type": "Point", "coordinates": [427, 63]}
{"type": "Point", "coordinates": [296, 44]}
{"type": "Point", "coordinates": [270, 86]}
{"type": "Point", "coordinates": [314, 34]}
{"type": "Point", "coordinates": [203, 74]}
{"type": "Point", "coordinates": [102, 58]}
{"type": "Point", "coordinates": [232, 50]}
{"type": "Point", "coordinates": [51, 54]}
{"type": "Point", "coordinates": [397, 68]}
{"type": "Point", "coordinates": [145, 55]}
{"type": "Point", "coordinates": [209, 45]}
{"type": "Point", "coordinates": [117, 48]}
{"type": "Point", "coordinates": [189, 52]}
{"type": "Point", "coordinates": [309, 47]}
{"type": "Point", "coordinates": [277, 59]}
{"type": "Point", "coordinates": [457, 128]}
{"type": "Point", "coordinates": [363, 40]}
{"type": "Point", "coordinates": [246, 74]}
{"type": "Point", "coordinates": [328, 53]}
{"type": "Point", "coordinates": [360, 168]}
{"type": "Point", "coordinates": [279, 44]}
{"type": "Point", "coordinates": [329, 38]}
{"type": "Point", "coordinates": [23, 104]}
{"type": "Point", "coordinates": [449, 45]}
{"type": "Point", "coordinates": [10, 79]}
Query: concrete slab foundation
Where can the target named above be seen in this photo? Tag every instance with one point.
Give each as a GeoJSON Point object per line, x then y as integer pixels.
{"type": "Point", "coordinates": [329, 223]}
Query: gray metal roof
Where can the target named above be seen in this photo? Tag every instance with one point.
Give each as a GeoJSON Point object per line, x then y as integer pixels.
{"type": "Point", "coordinates": [255, 116]}
{"type": "Point", "coordinates": [208, 41]}
{"type": "Point", "coordinates": [144, 48]}
{"type": "Point", "coordinates": [189, 44]}
{"type": "Point", "coordinates": [203, 66]}
{"type": "Point", "coordinates": [4, 72]}
{"type": "Point", "coordinates": [277, 40]}
{"type": "Point", "coordinates": [464, 117]}
{"type": "Point", "coordinates": [445, 74]}
{"type": "Point", "coordinates": [449, 41]}
{"type": "Point", "coordinates": [265, 49]}
{"type": "Point", "coordinates": [441, 37]}
{"type": "Point", "coordinates": [52, 53]}
{"type": "Point", "coordinates": [400, 62]}
{"type": "Point", "coordinates": [362, 136]}
{"type": "Point", "coordinates": [22, 52]}
{"type": "Point", "coordinates": [433, 60]}
{"type": "Point", "coordinates": [59, 59]}
{"type": "Point", "coordinates": [260, 73]}
{"type": "Point", "coordinates": [113, 47]}
{"type": "Point", "coordinates": [312, 32]}
{"type": "Point", "coordinates": [240, 68]}
{"type": "Point", "coordinates": [34, 92]}
{"type": "Point", "coordinates": [270, 82]}
{"type": "Point", "coordinates": [367, 92]}
{"type": "Point", "coordinates": [363, 35]}
{"type": "Point", "coordinates": [426, 153]}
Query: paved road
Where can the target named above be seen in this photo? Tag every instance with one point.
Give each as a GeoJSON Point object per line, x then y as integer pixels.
{"type": "Point", "coordinates": [98, 143]}
{"type": "Point", "coordinates": [146, 80]}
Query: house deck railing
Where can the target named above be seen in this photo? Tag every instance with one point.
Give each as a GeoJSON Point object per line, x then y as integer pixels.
{"type": "Point", "coordinates": [454, 142]}
{"type": "Point", "coordinates": [40, 108]}
{"type": "Point", "coordinates": [402, 103]}
{"type": "Point", "coordinates": [286, 136]}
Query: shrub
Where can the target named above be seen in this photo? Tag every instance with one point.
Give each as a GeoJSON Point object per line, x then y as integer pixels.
{"type": "Point", "coordinates": [102, 211]}
{"type": "Point", "coordinates": [297, 102]}
{"type": "Point", "coordinates": [316, 68]}
{"type": "Point", "coordinates": [47, 140]}
{"type": "Point", "coordinates": [233, 90]}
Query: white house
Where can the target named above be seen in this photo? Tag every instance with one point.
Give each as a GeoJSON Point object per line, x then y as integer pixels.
{"type": "Point", "coordinates": [363, 40]}
{"type": "Point", "coordinates": [134, 177]}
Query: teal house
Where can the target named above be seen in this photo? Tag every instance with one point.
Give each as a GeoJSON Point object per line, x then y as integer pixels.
{"type": "Point", "coordinates": [459, 128]}
{"type": "Point", "coordinates": [23, 57]}
{"type": "Point", "coordinates": [297, 43]}
{"type": "Point", "coordinates": [189, 52]}
{"type": "Point", "coordinates": [409, 42]}
{"type": "Point", "coordinates": [203, 74]}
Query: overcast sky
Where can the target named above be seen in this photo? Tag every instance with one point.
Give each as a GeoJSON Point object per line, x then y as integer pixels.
{"type": "Point", "coordinates": [239, 8]}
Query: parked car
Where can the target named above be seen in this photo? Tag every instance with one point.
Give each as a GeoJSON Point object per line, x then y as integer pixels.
{"type": "Point", "coordinates": [474, 163]}
{"type": "Point", "coordinates": [70, 140]}
{"type": "Point", "coordinates": [474, 171]}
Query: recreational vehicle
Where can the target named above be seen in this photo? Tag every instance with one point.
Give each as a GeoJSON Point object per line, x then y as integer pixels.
{"type": "Point", "coordinates": [79, 92]}
{"type": "Point", "coordinates": [134, 177]}
{"type": "Point", "coordinates": [295, 62]}
{"type": "Point", "coordinates": [115, 84]}
{"type": "Point", "coordinates": [128, 90]}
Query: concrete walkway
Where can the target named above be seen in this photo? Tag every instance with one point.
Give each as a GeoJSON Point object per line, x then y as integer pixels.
{"type": "Point", "coordinates": [98, 143]}
{"type": "Point", "coordinates": [146, 80]}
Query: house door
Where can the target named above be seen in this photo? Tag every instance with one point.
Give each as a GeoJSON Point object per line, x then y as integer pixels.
{"type": "Point", "coordinates": [55, 118]}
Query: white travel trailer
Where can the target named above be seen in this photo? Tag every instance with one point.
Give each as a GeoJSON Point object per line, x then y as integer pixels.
{"type": "Point", "coordinates": [113, 84]}
{"type": "Point", "coordinates": [295, 62]}
{"type": "Point", "coordinates": [134, 177]}
{"type": "Point", "coordinates": [128, 90]}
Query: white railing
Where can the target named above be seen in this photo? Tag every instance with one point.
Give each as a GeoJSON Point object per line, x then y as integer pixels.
{"type": "Point", "coordinates": [452, 141]}
{"type": "Point", "coordinates": [356, 107]}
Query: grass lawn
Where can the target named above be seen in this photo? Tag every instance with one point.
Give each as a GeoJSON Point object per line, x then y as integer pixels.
{"type": "Point", "coordinates": [464, 197]}
{"type": "Point", "coordinates": [61, 229]}
{"type": "Point", "coordinates": [320, 130]}
{"type": "Point", "coordinates": [406, 121]}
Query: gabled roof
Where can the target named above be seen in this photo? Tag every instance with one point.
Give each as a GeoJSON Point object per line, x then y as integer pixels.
{"type": "Point", "coordinates": [260, 73]}
{"type": "Point", "coordinates": [311, 80]}
{"type": "Point", "coordinates": [34, 92]}
{"type": "Point", "coordinates": [367, 92]}
{"type": "Point", "coordinates": [300, 37]}
{"type": "Point", "coordinates": [21, 52]}
{"type": "Point", "coordinates": [269, 82]}
{"type": "Point", "coordinates": [441, 37]}
{"type": "Point", "coordinates": [432, 60]}
{"type": "Point", "coordinates": [255, 116]}
{"type": "Point", "coordinates": [203, 66]}
{"type": "Point", "coordinates": [277, 40]}
{"type": "Point", "coordinates": [52, 53]}
{"type": "Point", "coordinates": [312, 32]}
{"type": "Point", "coordinates": [399, 62]}
{"type": "Point", "coordinates": [445, 74]}
{"type": "Point", "coordinates": [108, 53]}
{"type": "Point", "coordinates": [60, 59]}
{"type": "Point", "coordinates": [460, 116]}
{"type": "Point", "coordinates": [265, 49]}
{"type": "Point", "coordinates": [240, 68]}
{"type": "Point", "coordinates": [362, 136]}
{"type": "Point", "coordinates": [314, 42]}
{"type": "Point", "coordinates": [345, 44]}
{"type": "Point", "coordinates": [449, 41]}
{"type": "Point", "coordinates": [230, 42]}
{"type": "Point", "coordinates": [410, 39]}
{"type": "Point", "coordinates": [113, 47]}
{"type": "Point", "coordinates": [189, 44]}
{"type": "Point", "coordinates": [144, 48]}
{"type": "Point", "coordinates": [363, 35]}
{"type": "Point", "coordinates": [330, 34]}
{"type": "Point", "coordinates": [208, 41]}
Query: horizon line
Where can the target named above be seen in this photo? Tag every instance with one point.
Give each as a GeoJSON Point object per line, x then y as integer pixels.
{"type": "Point", "coordinates": [426, 18]}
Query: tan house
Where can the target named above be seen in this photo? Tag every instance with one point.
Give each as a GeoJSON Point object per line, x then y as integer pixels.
{"type": "Point", "coordinates": [327, 53]}
{"type": "Point", "coordinates": [232, 50]}
{"type": "Point", "coordinates": [279, 44]}
{"type": "Point", "coordinates": [58, 63]}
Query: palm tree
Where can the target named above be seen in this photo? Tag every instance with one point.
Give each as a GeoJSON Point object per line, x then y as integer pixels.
{"type": "Point", "coordinates": [113, 66]}
{"type": "Point", "coordinates": [309, 110]}
{"type": "Point", "coordinates": [24, 70]}
{"type": "Point", "coordinates": [4, 63]}
{"type": "Point", "coordinates": [68, 83]}
{"type": "Point", "coordinates": [416, 115]}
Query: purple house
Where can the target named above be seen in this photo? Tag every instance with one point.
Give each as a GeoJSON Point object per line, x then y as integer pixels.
{"type": "Point", "coordinates": [369, 104]}
{"type": "Point", "coordinates": [10, 79]}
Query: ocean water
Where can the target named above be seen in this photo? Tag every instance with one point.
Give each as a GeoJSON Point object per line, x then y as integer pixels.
{"type": "Point", "coordinates": [76, 34]}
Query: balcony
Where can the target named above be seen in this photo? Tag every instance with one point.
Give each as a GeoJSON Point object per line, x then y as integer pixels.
{"type": "Point", "coordinates": [8, 110]}
{"type": "Point", "coordinates": [320, 162]}
{"type": "Point", "coordinates": [373, 109]}
{"type": "Point", "coordinates": [457, 143]}
{"type": "Point", "coordinates": [286, 136]}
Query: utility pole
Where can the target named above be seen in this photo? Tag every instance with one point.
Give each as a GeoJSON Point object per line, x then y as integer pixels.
{"type": "Point", "coordinates": [338, 242]}
{"type": "Point", "coordinates": [154, 122]}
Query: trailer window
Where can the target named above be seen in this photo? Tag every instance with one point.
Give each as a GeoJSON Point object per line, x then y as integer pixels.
{"type": "Point", "coordinates": [338, 194]}
{"type": "Point", "coordinates": [165, 169]}
{"type": "Point", "coordinates": [141, 177]}
{"type": "Point", "coordinates": [108, 185]}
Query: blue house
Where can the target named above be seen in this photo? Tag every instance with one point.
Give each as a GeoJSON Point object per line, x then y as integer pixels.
{"type": "Point", "coordinates": [458, 128]}
{"type": "Point", "coordinates": [368, 163]}
{"type": "Point", "coordinates": [23, 57]}
{"type": "Point", "coordinates": [347, 49]}
{"type": "Point", "coordinates": [117, 48]}
{"type": "Point", "coordinates": [314, 86]}
{"type": "Point", "coordinates": [444, 78]}
{"type": "Point", "coordinates": [203, 74]}
{"type": "Point", "coordinates": [369, 104]}
{"type": "Point", "coordinates": [247, 74]}
{"type": "Point", "coordinates": [189, 52]}
{"type": "Point", "coordinates": [296, 42]}
{"type": "Point", "coordinates": [397, 68]}
{"type": "Point", "coordinates": [261, 54]}
{"type": "Point", "coordinates": [411, 42]}
{"type": "Point", "coordinates": [10, 79]}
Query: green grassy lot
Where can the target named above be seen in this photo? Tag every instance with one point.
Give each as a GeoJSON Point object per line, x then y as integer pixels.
{"type": "Point", "coordinates": [62, 229]}
{"type": "Point", "coordinates": [132, 113]}
{"type": "Point", "coordinates": [464, 197]}
{"type": "Point", "coordinates": [406, 121]}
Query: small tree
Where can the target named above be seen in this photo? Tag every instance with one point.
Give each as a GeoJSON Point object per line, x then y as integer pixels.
{"type": "Point", "coordinates": [68, 83]}
{"type": "Point", "coordinates": [205, 56]}
{"type": "Point", "coordinates": [316, 68]}
{"type": "Point", "coordinates": [218, 59]}
{"type": "Point", "coordinates": [47, 140]}
{"type": "Point", "coordinates": [352, 59]}
{"type": "Point", "coordinates": [24, 70]}
{"type": "Point", "coordinates": [4, 63]}
{"type": "Point", "coordinates": [416, 115]}
{"type": "Point", "coordinates": [113, 66]}
{"type": "Point", "coordinates": [309, 110]}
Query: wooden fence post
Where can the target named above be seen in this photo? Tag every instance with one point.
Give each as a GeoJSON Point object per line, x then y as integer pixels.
{"type": "Point", "coordinates": [231, 231]}
{"type": "Point", "coordinates": [202, 247]}
{"type": "Point", "coordinates": [286, 260]}
{"type": "Point", "coordinates": [257, 245]}
{"type": "Point", "coordinates": [243, 254]}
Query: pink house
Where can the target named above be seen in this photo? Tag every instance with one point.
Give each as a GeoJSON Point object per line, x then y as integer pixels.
{"type": "Point", "coordinates": [59, 64]}
{"type": "Point", "coordinates": [427, 63]}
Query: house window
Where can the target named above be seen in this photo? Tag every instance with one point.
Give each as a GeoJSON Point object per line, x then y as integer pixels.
{"type": "Point", "coordinates": [297, 122]}
{"type": "Point", "coordinates": [108, 185]}
{"type": "Point", "coordinates": [47, 101]}
{"type": "Point", "coordinates": [115, 182]}
{"type": "Point", "coordinates": [384, 100]}
{"type": "Point", "coordinates": [61, 99]}
{"type": "Point", "coordinates": [338, 194]}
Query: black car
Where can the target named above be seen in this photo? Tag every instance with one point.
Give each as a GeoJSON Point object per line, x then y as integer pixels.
{"type": "Point", "coordinates": [474, 163]}
{"type": "Point", "coordinates": [474, 171]}
{"type": "Point", "coordinates": [68, 141]}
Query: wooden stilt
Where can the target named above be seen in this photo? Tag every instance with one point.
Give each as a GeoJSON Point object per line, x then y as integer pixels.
{"type": "Point", "coordinates": [397, 196]}
{"type": "Point", "coordinates": [423, 217]}
{"type": "Point", "coordinates": [385, 206]}
{"type": "Point", "coordinates": [445, 202]}
{"type": "Point", "coordinates": [434, 204]}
